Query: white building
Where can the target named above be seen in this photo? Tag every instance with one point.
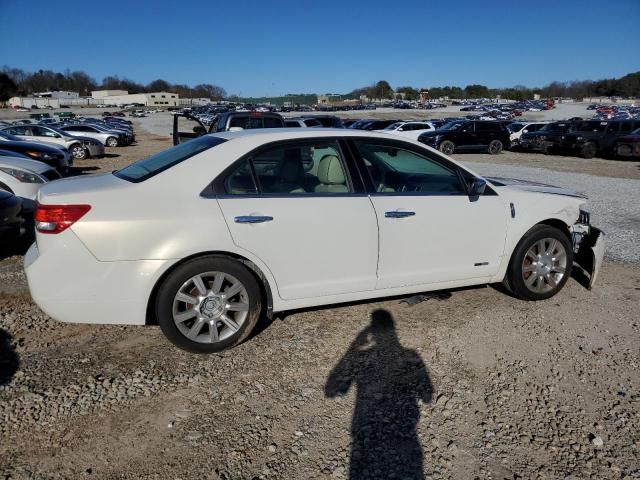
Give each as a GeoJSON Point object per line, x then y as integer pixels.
{"type": "Point", "coordinates": [122, 97]}
{"type": "Point", "coordinates": [57, 94]}
{"type": "Point", "coordinates": [107, 93]}
{"type": "Point", "coordinates": [30, 102]}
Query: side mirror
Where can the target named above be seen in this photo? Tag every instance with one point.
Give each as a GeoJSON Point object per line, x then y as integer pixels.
{"type": "Point", "coordinates": [525, 130]}
{"type": "Point", "coordinates": [477, 187]}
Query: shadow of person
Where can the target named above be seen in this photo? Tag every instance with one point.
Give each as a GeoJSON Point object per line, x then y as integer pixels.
{"type": "Point", "coordinates": [390, 380]}
{"type": "Point", "coordinates": [9, 361]}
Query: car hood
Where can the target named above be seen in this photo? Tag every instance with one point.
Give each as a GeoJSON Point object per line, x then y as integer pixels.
{"type": "Point", "coordinates": [37, 146]}
{"type": "Point", "coordinates": [25, 164]}
{"type": "Point", "coordinates": [533, 187]}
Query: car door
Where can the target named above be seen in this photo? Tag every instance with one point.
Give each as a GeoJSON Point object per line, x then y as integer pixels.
{"type": "Point", "coordinates": [44, 134]}
{"type": "Point", "coordinates": [430, 230]}
{"type": "Point", "coordinates": [465, 135]}
{"type": "Point", "coordinates": [296, 206]}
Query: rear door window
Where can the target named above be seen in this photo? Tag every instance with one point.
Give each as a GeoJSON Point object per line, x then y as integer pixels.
{"type": "Point", "coordinates": [155, 164]}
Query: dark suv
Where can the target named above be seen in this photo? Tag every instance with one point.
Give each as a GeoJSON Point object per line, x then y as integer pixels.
{"type": "Point", "coordinates": [224, 122]}
{"type": "Point", "coordinates": [594, 137]}
{"type": "Point", "coordinates": [548, 137]}
{"type": "Point", "coordinates": [468, 135]}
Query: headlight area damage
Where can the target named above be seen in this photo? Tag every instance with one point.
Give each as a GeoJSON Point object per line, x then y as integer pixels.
{"type": "Point", "coordinates": [588, 247]}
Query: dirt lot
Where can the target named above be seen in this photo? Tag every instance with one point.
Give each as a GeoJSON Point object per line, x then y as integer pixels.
{"type": "Point", "coordinates": [463, 384]}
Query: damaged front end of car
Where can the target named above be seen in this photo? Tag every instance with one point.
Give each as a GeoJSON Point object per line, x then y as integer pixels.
{"type": "Point", "coordinates": [588, 246]}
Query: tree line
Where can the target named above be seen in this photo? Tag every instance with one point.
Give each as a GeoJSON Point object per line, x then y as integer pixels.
{"type": "Point", "coordinates": [627, 86]}
{"type": "Point", "coordinates": [17, 82]}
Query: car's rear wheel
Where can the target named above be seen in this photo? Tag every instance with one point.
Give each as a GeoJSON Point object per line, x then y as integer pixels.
{"type": "Point", "coordinates": [112, 142]}
{"type": "Point", "coordinates": [208, 304]}
{"type": "Point", "coordinates": [589, 150]}
{"type": "Point", "coordinates": [78, 151]}
{"type": "Point", "coordinates": [495, 147]}
{"type": "Point", "coordinates": [541, 264]}
{"type": "Point", "coordinates": [447, 147]}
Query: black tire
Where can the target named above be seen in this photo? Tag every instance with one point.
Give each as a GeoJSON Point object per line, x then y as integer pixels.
{"type": "Point", "coordinates": [515, 277]}
{"type": "Point", "coordinates": [447, 147]}
{"type": "Point", "coordinates": [112, 142]}
{"type": "Point", "coordinates": [78, 151]}
{"type": "Point", "coordinates": [175, 280]}
{"type": "Point", "coordinates": [495, 147]}
{"type": "Point", "coordinates": [589, 150]}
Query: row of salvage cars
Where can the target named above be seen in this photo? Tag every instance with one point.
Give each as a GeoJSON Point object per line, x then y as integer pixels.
{"type": "Point", "coordinates": [31, 155]}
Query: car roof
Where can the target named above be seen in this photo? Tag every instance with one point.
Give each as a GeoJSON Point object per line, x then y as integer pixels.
{"type": "Point", "coordinates": [275, 134]}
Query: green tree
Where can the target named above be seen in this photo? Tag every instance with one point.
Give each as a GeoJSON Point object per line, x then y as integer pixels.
{"type": "Point", "coordinates": [410, 93]}
{"type": "Point", "coordinates": [8, 87]}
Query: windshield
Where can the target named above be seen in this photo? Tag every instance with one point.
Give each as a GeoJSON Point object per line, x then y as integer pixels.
{"type": "Point", "coordinates": [515, 127]}
{"type": "Point", "coordinates": [393, 126]}
{"type": "Point", "coordinates": [451, 126]}
{"type": "Point", "coordinates": [8, 136]}
{"type": "Point", "coordinates": [147, 168]}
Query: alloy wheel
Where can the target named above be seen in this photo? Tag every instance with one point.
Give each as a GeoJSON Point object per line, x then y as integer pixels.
{"type": "Point", "coordinates": [544, 265]}
{"type": "Point", "coordinates": [210, 307]}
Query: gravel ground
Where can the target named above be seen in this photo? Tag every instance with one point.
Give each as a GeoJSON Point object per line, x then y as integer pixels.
{"type": "Point", "coordinates": [463, 384]}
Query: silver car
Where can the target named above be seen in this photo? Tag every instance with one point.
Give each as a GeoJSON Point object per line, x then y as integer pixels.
{"type": "Point", "coordinates": [79, 147]}
{"type": "Point", "coordinates": [107, 138]}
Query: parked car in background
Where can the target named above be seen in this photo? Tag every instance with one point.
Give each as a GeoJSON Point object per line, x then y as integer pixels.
{"type": "Point", "coordinates": [390, 218]}
{"type": "Point", "coordinates": [468, 135]}
{"type": "Point", "coordinates": [329, 121]}
{"type": "Point", "coordinates": [628, 145]}
{"type": "Point", "coordinates": [408, 129]}
{"type": "Point", "coordinates": [79, 147]}
{"type": "Point", "coordinates": [58, 158]}
{"type": "Point", "coordinates": [546, 138]}
{"type": "Point", "coordinates": [226, 121]}
{"type": "Point", "coordinates": [24, 177]}
{"type": "Point", "coordinates": [107, 138]}
{"type": "Point", "coordinates": [517, 129]}
{"type": "Point", "coordinates": [298, 122]}
{"type": "Point", "coordinates": [12, 221]}
{"type": "Point", "coordinates": [372, 124]}
{"type": "Point", "coordinates": [594, 137]}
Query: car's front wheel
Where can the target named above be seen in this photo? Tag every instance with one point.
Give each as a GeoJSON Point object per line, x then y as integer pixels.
{"type": "Point", "coordinates": [78, 151]}
{"type": "Point", "coordinates": [112, 142]}
{"type": "Point", "coordinates": [208, 304]}
{"type": "Point", "coordinates": [589, 150]}
{"type": "Point", "coordinates": [495, 147]}
{"type": "Point", "coordinates": [447, 147]}
{"type": "Point", "coordinates": [541, 264]}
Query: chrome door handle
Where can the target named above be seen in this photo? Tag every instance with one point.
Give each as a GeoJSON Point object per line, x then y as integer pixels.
{"type": "Point", "coordinates": [398, 214]}
{"type": "Point", "coordinates": [252, 219]}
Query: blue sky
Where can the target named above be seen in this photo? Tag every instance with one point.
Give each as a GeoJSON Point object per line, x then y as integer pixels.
{"type": "Point", "coordinates": [273, 47]}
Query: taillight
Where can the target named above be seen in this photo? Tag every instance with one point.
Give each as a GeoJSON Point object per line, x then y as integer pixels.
{"type": "Point", "coordinates": [57, 218]}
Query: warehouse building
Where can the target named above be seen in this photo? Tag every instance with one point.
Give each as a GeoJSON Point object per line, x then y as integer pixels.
{"type": "Point", "coordinates": [60, 95]}
{"type": "Point", "coordinates": [122, 97]}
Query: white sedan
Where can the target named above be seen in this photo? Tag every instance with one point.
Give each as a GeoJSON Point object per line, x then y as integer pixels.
{"type": "Point", "coordinates": [207, 236]}
{"type": "Point", "coordinates": [410, 130]}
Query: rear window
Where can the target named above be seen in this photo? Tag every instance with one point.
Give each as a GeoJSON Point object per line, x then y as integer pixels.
{"type": "Point", "coordinates": [147, 168]}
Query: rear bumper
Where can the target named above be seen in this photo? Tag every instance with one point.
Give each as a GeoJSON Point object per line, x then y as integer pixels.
{"type": "Point", "coordinates": [70, 285]}
{"type": "Point", "coordinates": [95, 150]}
